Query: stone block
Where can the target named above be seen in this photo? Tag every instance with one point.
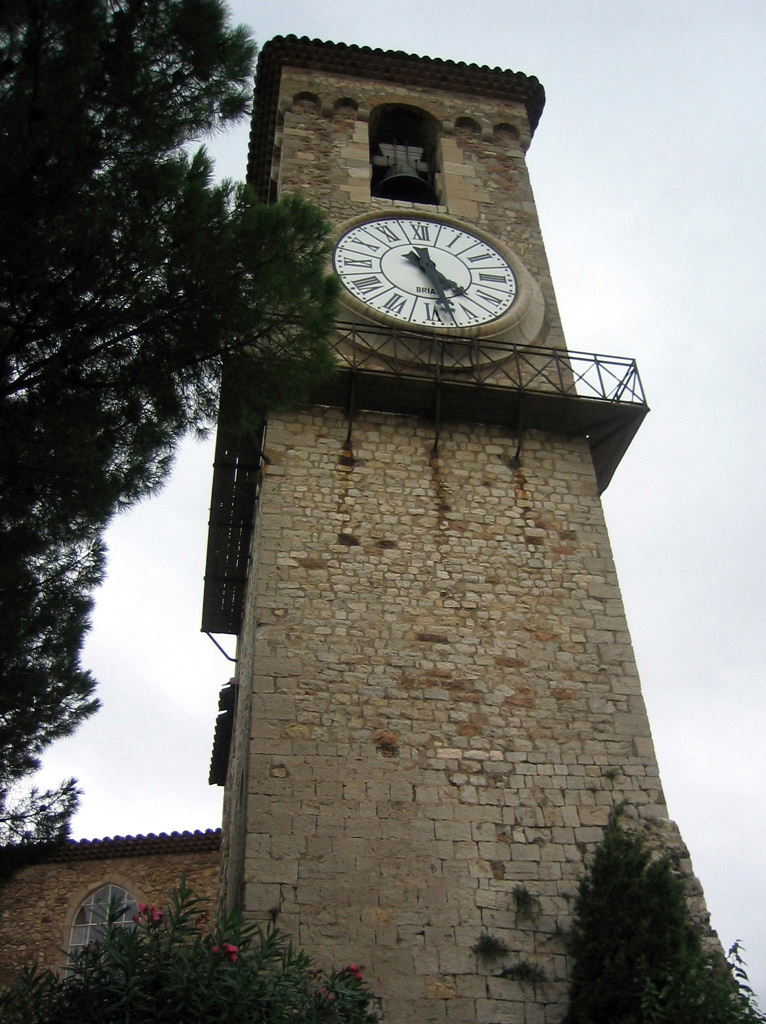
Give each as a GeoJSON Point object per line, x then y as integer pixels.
{"type": "Point", "coordinates": [494, 1011]}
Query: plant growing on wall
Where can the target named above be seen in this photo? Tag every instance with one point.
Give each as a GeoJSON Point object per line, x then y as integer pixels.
{"type": "Point", "coordinates": [489, 947]}
{"type": "Point", "coordinates": [174, 967]}
{"type": "Point", "coordinates": [637, 958]}
{"type": "Point", "coordinates": [525, 972]}
{"type": "Point", "coordinates": [527, 906]}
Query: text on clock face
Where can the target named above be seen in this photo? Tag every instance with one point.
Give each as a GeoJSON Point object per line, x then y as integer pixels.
{"type": "Point", "coordinates": [425, 272]}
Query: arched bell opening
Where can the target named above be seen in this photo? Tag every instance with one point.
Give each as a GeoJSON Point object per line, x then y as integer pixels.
{"type": "Point", "coordinates": [403, 147]}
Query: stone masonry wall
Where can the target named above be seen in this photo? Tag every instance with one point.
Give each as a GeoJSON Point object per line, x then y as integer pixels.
{"type": "Point", "coordinates": [445, 705]}
{"type": "Point", "coordinates": [38, 903]}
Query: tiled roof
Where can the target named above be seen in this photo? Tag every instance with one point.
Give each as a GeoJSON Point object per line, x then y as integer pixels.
{"type": "Point", "coordinates": [384, 65]}
{"type": "Point", "coordinates": [134, 846]}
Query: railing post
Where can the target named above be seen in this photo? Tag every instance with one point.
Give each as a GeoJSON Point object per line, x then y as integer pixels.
{"type": "Point", "coordinates": [600, 378]}
{"type": "Point", "coordinates": [559, 374]}
{"type": "Point", "coordinates": [517, 362]}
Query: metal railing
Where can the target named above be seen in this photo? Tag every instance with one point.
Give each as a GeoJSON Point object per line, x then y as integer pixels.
{"type": "Point", "coordinates": [488, 362]}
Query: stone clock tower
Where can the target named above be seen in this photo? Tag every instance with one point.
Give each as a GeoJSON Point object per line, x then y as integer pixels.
{"type": "Point", "coordinates": [436, 703]}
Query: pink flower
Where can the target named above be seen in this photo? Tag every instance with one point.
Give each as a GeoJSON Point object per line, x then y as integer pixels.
{"type": "Point", "coordinates": [355, 970]}
{"type": "Point", "coordinates": [155, 914]}
{"type": "Point", "coordinates": [215, 950]}
{"type": "Point", "coordinates": [142, 908]}
{"type": "Point", "coordinates": [135, 918]}
{"type": "Point", "coordinates": [326, 994]}
{"type": "Point", "coordinates": [231, 951]}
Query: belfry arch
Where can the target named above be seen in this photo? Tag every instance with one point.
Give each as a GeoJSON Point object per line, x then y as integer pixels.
{"type": "Point", "coordinates": [403, 153]}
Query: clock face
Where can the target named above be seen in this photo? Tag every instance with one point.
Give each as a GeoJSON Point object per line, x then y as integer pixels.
{"type": "Point", "coordinates": [425, 272]}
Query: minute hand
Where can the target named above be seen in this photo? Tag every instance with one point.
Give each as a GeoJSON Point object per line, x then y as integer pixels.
{"type": "Point", "coordinates": [427, 265]}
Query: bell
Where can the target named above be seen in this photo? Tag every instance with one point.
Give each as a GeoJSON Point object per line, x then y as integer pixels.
{"type": "Point", "coordinates": [402, 181]}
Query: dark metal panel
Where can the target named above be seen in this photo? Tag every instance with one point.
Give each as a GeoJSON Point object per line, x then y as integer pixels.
{"type": "Point", "coordinates": [237, 475]}
{"type": "Point", "coordinates": [224, 728]}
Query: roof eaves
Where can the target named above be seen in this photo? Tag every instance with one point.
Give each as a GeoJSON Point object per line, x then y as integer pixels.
{"type": "Point", "coordinates": [363, 61]}
{"type": "Point", "coordinates": [133, 846]}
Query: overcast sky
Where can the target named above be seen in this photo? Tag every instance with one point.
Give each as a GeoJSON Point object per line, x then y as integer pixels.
{"type": "Point", "coordinates": [648, 170]}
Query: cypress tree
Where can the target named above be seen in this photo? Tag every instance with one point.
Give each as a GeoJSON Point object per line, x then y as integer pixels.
{"type": "Point", "coordinates": [636, 956]}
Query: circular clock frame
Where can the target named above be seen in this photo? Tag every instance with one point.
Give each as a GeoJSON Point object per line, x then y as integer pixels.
{"type": "Point", "coordinates": [520, 318]}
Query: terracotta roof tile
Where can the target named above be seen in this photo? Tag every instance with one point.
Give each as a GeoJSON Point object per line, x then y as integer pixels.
{"type": "Point", "coordinates": [134, 846]}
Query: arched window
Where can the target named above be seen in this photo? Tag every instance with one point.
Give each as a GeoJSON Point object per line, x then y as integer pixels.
{"type": "Point", "coordinates": [88, 923]}
{"type": "Point", "coordinates": [403, 153]}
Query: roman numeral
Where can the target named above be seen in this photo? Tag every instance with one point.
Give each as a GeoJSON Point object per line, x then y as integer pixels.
{"type": "Point", "coordinates": [468, 313]}
{"type": "Point", "coordinates": [372, 246]}
{"type": "Point", "coordinates": [481, 256]}
{"type": "Point", "coordinates": [432, 313]}
{"type": "Point", "coordinates": [367, 284]}
{"type": "Point", "coordinates": [420, 232]}
{"type": "Point", "coordinates": [497, 278]}
{"type": "Point", "coordinates": [348, 262]}
{"type": "Point", "coordinates": [386, 232]}
{"type": "Point", "coordinates": [395, 304]}
{"type": "Point", "coordinates": [492, 299]}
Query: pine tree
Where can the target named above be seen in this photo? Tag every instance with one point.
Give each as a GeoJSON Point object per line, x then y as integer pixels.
{"type": "Point", "coordinates": [127, 279]}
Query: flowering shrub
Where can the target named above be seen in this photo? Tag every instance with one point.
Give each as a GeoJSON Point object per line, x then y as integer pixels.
{"type": "Point", "coordinates": [176, 966]}
{"type": "Point", "coordinates": [232, 952]}
{"type": "Point", "coordinates": [150, 913]}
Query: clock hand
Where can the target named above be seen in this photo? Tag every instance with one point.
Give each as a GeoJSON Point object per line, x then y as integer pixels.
{"type": "Point", "coordinates": [446, 282]}
{"type": "Point", "coordinates": [436, 280]}
{"type": "Point", "coordinates": [454, 288]}
{"type": "Point", "coordinates": [427, 265]}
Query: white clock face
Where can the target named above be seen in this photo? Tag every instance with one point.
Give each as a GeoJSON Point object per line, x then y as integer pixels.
{"type": "Point", "coordinates": [425, 272]}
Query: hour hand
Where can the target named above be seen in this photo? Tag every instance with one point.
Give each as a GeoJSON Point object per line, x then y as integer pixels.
{"type": "Point", "coordinates": [420, 258]}
{"type": "Point", "coordinates": [424, 261]}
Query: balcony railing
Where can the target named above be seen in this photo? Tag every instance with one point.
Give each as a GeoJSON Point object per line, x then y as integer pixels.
{"type": "Point", "coordinates": [488, 362]}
